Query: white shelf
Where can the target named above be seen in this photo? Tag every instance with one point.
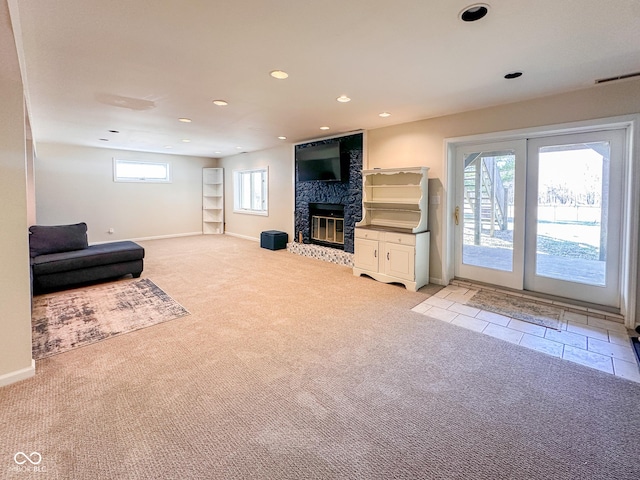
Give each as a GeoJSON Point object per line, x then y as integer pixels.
{"type": "Point", "coordinates": [393, 204]}
{"type": "Point", "coordinates": [209, 228]}
{"type": "Point", "coordinates": [212, 176]}
{"type": "Point", "coordinates": [212, 201]}
{"type": "Point", "coordinates": [407, 225]}
{"type": "Point", "coordinates": [395, 198]}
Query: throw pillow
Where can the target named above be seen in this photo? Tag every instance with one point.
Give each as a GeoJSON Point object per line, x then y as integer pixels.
{"type": "Point", "coordinates": [45, 239]}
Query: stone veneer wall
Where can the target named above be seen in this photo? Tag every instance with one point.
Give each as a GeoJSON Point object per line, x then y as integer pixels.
{"type": "Point", "coordinates": [347, 193]}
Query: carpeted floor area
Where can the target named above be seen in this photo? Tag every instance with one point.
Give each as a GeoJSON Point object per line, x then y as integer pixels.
{"type": "Point", "coordinates": [292, 368]}
{"type": "Point", "coordinates": [81, 316]}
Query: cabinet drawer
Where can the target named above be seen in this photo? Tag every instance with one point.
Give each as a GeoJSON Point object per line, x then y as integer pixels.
{"type": "Point", "coordinates": [366, 233]}
{"type": "Point", "coordinates": [401, 238]}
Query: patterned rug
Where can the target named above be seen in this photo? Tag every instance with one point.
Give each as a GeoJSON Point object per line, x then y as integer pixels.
{"type": "Point", "coordinates": [520, 308]}
{"type": "Point", "coordinates": [75, 318]}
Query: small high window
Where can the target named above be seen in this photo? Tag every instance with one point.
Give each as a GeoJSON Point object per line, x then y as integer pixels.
{"type": "Point", "coordinates": [251, 191]}
{"type": "Point", "coordinates": [135, 171]}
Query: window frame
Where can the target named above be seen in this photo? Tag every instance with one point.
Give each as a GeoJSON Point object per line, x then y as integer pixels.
{"type": "Point", "coordinates": [238, 191]}
{"type": "Point", "coordinates": [121, 179]}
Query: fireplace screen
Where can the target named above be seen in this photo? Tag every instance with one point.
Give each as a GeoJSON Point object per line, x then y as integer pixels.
{"type": "Point", "coordinates": [327, 229]}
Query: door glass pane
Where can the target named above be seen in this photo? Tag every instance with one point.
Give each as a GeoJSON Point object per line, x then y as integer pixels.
{"type": "Point", "coordinates": [573, 191]}
{"type": "Point", "coordinates": [487, 216]}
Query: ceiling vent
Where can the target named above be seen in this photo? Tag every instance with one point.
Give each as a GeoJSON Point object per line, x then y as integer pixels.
{"type": "Point", "coordinates": [619, 77]}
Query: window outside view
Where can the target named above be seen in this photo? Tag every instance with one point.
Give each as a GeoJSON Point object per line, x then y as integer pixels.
{"type": "Point", "coordinates": [571, 243]}
{"type": "Point", "coordinates": [251, 191]}
{"type": "Point", "coordinates": [488, 210]}
{"type": "Point", "coordinates": [571, 221]}
{"type": "Point", "coordinates": [133, 171]}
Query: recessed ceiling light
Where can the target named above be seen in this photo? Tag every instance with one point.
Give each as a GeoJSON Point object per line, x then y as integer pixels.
{"type": "Point", "coordinates": [474, 12]}
{"type": "Point", "coordinates": [239, 148]}
{"type": "Point", "coordinates": [184, 120]}
{"type": "Point", "coordinates": [217, 153]}
{"type": "Point", "coordinates": [186, 140]}
{"type": "Point", "coordinates": [511, 75]}
{"type": "Point", "coordinates": [168, 146]}
{"type": "Point", "coordinates": [324, 128]}
{"type": "Point", "coordinates": [279, 74]}
{"type": "Point", "coordinates": [282, 137]}
{"type": "Point", "coordinates": [384, 114]}
{"type": "Point", "coordinates": [220, 103]}
{"type": "Point", "coordinates": [343, 99]}
{"type": "Point", "coordinates": [114, 131]}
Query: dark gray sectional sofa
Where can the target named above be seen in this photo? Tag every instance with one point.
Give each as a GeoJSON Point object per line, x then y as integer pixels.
{"type": "Point", "coordinates": [61, 258]}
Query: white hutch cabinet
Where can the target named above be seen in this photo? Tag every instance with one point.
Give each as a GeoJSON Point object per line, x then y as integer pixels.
{"type": "Point", "coordinates": [392, 241]}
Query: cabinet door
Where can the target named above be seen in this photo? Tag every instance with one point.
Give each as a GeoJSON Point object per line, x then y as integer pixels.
{"type": "Point", "coordinates": [399, 261]}
{"type": "Point", "coordinates": [366, 254]}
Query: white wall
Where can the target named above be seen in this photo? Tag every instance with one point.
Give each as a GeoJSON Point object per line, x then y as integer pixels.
{"type": "Point", "coordinates": [422, 142]}
{"type": "Point", "coordinates": [15, 306]}
{"type": "Point", "coordinates": [280, 161]}
{"type": "Point", "coordinates": [31, 183]}
{"type": "Point", "coordinates": [75, 184]}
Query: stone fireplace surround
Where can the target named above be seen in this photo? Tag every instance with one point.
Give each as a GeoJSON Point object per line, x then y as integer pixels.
{"type": "Point", "coordinates": [348, 194]}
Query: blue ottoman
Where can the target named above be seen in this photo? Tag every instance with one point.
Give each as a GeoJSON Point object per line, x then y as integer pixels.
{"type": "Point", "coordinates": [273, 239]}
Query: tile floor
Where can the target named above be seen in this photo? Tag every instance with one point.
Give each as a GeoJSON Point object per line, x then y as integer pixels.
{"type": "Point", "coordinates": [586, 338]}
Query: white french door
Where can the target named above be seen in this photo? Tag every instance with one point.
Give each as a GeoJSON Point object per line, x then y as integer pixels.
{"type": "Point", "coordinates": [574, 216]}
{"type": "Point", "coordinates": [488, 213]}
{"type": "Point", "coordinates": [543, 214]}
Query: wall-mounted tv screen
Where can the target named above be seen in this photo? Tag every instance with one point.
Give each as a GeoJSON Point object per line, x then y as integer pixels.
{"type": "Point", "coordinates": [320, 162]}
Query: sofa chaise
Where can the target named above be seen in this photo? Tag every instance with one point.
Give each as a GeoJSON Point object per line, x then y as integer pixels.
{"type": "Point", "coordinates": [61, 257]}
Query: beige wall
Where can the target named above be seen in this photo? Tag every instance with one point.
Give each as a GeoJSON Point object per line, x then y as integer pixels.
{"type": "Point", "coordinates": [281, 202]}
{"type": "Point", "coordinates": [422, 142]}
{"type": "Point", "coordinates": [75, 184]}
{"type": "Point", "coordinates": [31, 183]}
{"type": "Point", "coordinates": [15, 306]}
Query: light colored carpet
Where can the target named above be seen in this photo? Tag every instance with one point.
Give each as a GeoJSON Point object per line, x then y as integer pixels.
{"type": "Point", "coordinates": [291, 368]}
{"type": "Point", "coordinates": [520, 308]}
{"type": "Point", "coordinates": [82, 316]}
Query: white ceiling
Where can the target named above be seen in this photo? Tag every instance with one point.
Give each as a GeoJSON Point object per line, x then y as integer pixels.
{"type": "Point", "coordinates": [136, 66]}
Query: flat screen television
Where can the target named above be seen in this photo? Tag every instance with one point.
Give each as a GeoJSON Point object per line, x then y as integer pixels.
{"type": "Point", "coordinates": [321, 162]}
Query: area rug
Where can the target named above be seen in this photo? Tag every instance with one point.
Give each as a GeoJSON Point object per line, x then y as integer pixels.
{"type": "Point", "coordinates": [519, 308]}
{"type": "Point", "coordinates": [65, 320]}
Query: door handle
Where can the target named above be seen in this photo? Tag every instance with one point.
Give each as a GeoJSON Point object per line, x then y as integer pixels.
{"type": "Point", "coordinates": [387, 255]}
{"type": "Point", "coordinates": [456, 215]}
{"type": "Point", "coordinates": [375, 253]}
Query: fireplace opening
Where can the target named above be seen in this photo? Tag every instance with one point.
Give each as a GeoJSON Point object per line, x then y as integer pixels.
{"type": "Point", "coordinates": [327, 224]}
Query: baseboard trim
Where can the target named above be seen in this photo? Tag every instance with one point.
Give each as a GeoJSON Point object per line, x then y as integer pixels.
{"type": "Point", "coordinates": [18, 375]}
{"type": "Point", "coordinates": [245, 237]}
{"type": "Point", "coordinates": [156, 237]}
